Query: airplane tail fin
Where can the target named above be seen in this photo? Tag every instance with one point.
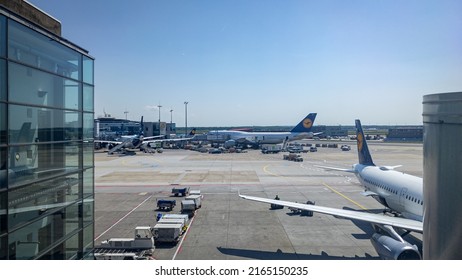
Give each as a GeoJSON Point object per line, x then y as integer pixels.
{"type": "Point", "coordinates": [306, 124]}
{"type": "Point", "coordinates": [193, 132]}
{"type": "Point", "coordinates": [363, 151]}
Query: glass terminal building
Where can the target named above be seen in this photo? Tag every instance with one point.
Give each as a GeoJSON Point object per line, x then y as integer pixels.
{"type": "Point", "coordinates": [46, 144]}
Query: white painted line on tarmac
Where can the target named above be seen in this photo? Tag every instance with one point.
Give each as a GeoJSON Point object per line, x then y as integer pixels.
{"type": "Point", "coordinates": [126, 215]}
{"type": "Point", "coordinates": [183, 238]}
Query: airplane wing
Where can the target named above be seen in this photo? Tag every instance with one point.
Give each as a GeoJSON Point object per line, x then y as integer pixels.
{"type": "Point", "coordinates": [337, 169]}
{"type": "Point", "coordinates": [380, 219]}
{"type": "Point", "coordinates": [167, 140]}
{"type": "Point", "coordinates": [153, 137]}
{"type": "Point", "coordinates": [109, 142]}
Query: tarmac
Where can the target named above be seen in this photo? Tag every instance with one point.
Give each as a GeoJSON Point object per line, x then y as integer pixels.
{"type": "Point", "coordinates": [227, 227]}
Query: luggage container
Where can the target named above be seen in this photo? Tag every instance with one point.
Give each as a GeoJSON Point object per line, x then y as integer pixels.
{"type": "Point", "coordinates": [196, 199]}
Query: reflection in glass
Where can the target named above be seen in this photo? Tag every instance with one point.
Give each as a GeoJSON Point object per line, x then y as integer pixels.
{"type": "Point", "coordinates": [30, 86]}
{"type": "Point", "coordinates": [88, 99]}
{"type": "Point", "coordinates": [88, 70]}
{"type": "Point", "coordinates": [88, 126]}
{"type": "Point", "coordinates": [3, 124]}
{"type": "Point", "coordinates": [3, 80]}
{"type": "Point", "coordinates": [34, 125]}
{"type": "Point", "coordinates": [3, 207]}
{"type": "Point", "coordinates": [29, 47]}
{"type": "Point", "coordinates": [88, 181]}
{"type": "Point", "coordinates": [2, 36]}
{"type": "Point", "coordinates": [88, 237]}
{"type": "Point", "coordinates": [39, 199]}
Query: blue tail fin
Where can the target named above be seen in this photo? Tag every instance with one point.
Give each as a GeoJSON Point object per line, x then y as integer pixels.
{"type": "Point", "coordinates": [363, 151]}
{"type": "Point", "coordinates": [193, 132]}
{"type": "Point", "coordinates": [306, 124]}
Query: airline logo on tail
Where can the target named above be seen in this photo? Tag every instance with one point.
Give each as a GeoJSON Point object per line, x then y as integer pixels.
{"type": "Point", "coordinates": [307, 123]}
{"type": "Point", "coordinates": [359, 141]}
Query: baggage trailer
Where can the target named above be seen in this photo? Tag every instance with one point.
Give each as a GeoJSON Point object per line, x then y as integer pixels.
{"type": "Point", "coordinates": [176, 216]}
{"type": "Point", "coordinates": [167, 233]}
{"type": "Point", "coordinates": [166, 204]}
{"type": "Point", "coordinates": [180, 191]}
{"type": "Point", "coordinates": [188, 207]}
{"type": "Point", "coordinates": [194, 192]}
{"type": "Point", "coordinates": [172, 221]}
{"type": "Point", "coordinates": [196, 199]}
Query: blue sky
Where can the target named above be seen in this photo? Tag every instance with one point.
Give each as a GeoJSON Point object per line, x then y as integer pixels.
{"type": "Point", "coordinates": [267, 62]}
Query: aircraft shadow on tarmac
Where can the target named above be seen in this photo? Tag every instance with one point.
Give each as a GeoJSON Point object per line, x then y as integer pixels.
{"type": "Point", "coordinates": [279, 255]}
{"type": "Point", "coordinates": [368, 229]}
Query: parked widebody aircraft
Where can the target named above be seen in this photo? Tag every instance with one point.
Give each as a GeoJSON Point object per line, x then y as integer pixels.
{"type": "Point", "coordinates": [401, 193]}
{"type": "Point", "coordinates": [300, 131]}
{"type": "Point", "coordinates": [137, 141]}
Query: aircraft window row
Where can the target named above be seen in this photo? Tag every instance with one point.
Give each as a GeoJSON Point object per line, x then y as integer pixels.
{"type": "Point", "coordinates": [415, 200]}
{"type": "Point", "coordinates": [382, 186]}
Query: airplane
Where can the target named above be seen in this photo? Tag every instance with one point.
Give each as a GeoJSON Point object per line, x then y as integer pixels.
{"type": "Point", "coordinates": [255, 139]}
{"type": "Point", "coordinates": [137, 141]}
{"type": "Point", "coordinates": [401, 193]}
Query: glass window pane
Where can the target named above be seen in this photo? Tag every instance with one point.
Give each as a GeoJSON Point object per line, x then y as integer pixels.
{"type": "Point", "coordinates": [37, 50]}
{"type": "Point", "coordinates": [71, 247]}
{"type": "Point", "coordinates": [87, 70]}
{"type": "Point", "coordinates": [88, 98]}
{"type": "Point", "coordinates": [3, 207]}
{"type": "Point", "coordinates": [4, 247]}
{"type": "Point", "coordinates": [88, 182]}
{"type": "Point", "coordinates": [36, 238]}
{"type": "Point", "coordinates": [88, 126]}
{"type": "Point", "coordinates": [88, 237]}
{"type": "Point", "coordinates": [3, 80]}
{"type": "Point", "coordinates": [29, 163]}
{"type": "Point", "coordinates": [88, 150]}
{"type": "Point", "coordinates": [88, 210]}
{"type": "Point", "coordinates": [3, 169]}
{"type": "Point", "coordinates": [3, 124]}
{"type": "Point", "coordinates": [71, 219]}
{"type": "Point", "coordinates": [30, 86]}
{"type": "Point", "coordinates": [39, 199]}
{"type": "Point", "coordinates": [38, 125]}
{"type": "Point", "coordinates": [2, 36]}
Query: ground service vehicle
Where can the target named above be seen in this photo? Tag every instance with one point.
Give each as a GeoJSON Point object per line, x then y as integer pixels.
{"type": "Point", "coordinates": [166, 204]}
{"type": "Point", "coordinates": [140, 247]}
{"type": "Point", "coordinates": [176, 216]}
{"type": "Point", "coordinates": [196, 199]}
{"type": "Point", "coordinates": [167, 233]}
{"type": "Point", "coordinates": [180, 191]}
{"type": "Point", "coordinates": [188, 207]}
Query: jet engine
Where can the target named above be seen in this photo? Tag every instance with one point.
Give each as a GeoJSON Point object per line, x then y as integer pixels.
{"type": "Point", "coordinates": [389, 248]}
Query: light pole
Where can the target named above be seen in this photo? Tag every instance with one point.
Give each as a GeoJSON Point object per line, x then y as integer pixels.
{"type": "Point", "coordinates": [186, 118]}
{"type": "Point", "coordinates": [159, 106]}
{"type": "Point", "coordinates": [171, 119]}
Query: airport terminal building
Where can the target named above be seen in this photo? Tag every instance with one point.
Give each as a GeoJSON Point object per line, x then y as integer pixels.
{"type": "Point", "coordinates": [46, 139]}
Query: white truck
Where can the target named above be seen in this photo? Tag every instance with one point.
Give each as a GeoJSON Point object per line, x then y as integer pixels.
{"type": "Point", "coordinates": [140, 247]}
{"type": "Point", "coordinates": [167, 233]}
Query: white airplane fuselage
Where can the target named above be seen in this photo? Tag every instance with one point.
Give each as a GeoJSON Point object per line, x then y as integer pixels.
{"type": "Point", "coordinates": [402, 193]}
{"type": "Point", "coordinates": [258, 137]}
